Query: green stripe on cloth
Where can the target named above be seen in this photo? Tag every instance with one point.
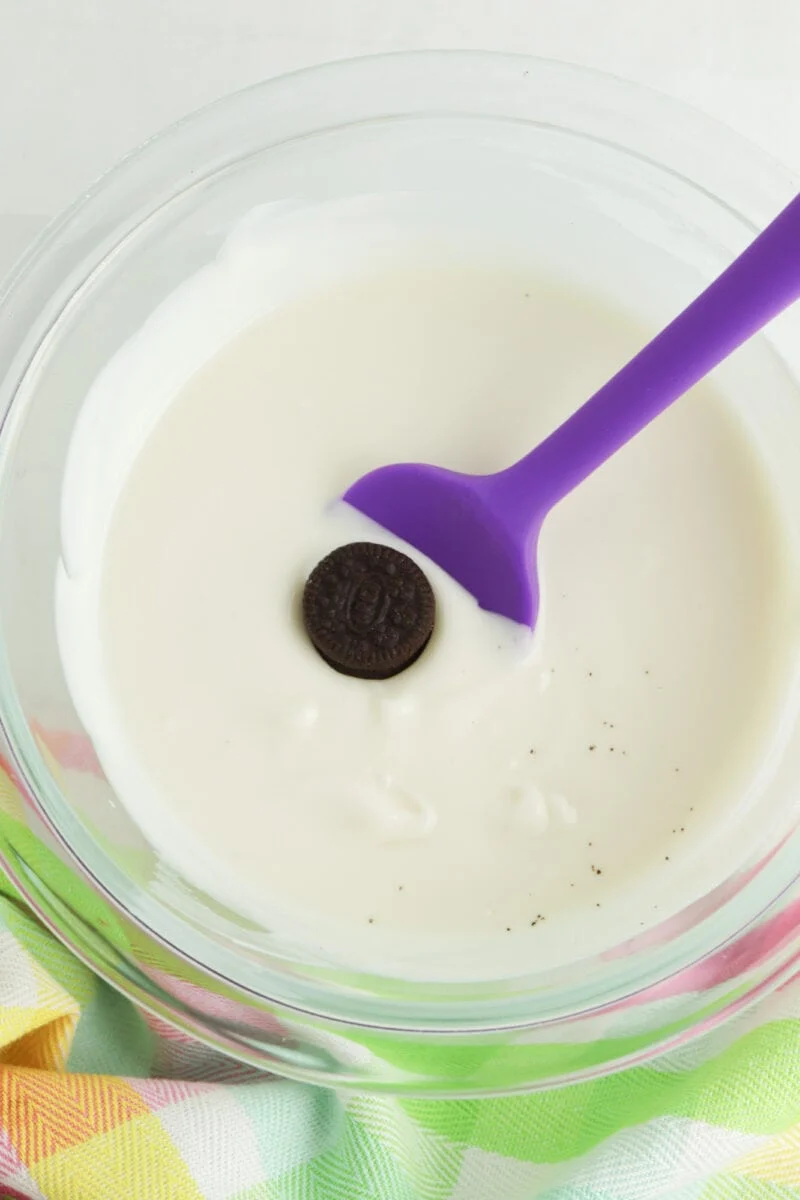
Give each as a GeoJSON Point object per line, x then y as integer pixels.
{"type": "Point", "coordinates": [727, 1091]}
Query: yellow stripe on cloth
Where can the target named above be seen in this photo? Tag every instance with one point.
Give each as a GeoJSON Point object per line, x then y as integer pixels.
{"type": "Point", "coordinates": [90, 1136]}
{"type": "Point", "coordinates": [38, 1018]}
{"type": "Point", "coordinates": [46, 1048]}
{"type": "Point", "coordinates": [778, 1161]}
{"type": "Point", "coordinates": [137, 1161]}
{"type": "Point", "coordinates": [45, 1113]}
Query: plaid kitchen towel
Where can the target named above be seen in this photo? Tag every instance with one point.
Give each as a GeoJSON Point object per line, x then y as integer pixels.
{"type": "Point", "coordinates": [98, 1102]}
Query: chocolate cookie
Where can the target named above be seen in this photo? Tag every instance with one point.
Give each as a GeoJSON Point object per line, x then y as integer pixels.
{"type": "Point", "coordinates": [369, 610]}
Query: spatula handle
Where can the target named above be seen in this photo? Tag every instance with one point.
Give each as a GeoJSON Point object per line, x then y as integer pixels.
{"type": "Point", "coordinates": [758, 285]}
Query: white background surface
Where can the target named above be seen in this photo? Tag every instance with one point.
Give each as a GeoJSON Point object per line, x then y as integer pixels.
{"type": "Point", "coordinates": [81, 81]}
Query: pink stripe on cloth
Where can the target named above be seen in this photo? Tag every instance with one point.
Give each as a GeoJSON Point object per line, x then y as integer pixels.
{"type": "Point", "coordinates": [74, 751]}
{"type": "Point", "coordinates": [159, 1093]}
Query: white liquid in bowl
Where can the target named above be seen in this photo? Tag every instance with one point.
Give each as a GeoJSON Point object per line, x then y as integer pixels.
{"type": "Point", "coordinates": [507, 800]}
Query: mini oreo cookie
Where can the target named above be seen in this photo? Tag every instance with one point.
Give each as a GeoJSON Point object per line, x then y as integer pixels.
{"type": "Point", "coordinates": [368, 610]}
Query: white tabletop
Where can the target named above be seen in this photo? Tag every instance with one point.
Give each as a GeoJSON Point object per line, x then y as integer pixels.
{"type": "Point", "coordinates": [81, 81]}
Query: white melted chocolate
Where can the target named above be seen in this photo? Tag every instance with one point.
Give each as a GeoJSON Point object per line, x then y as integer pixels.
{"type": "Point", "coordinates": [510, 797]}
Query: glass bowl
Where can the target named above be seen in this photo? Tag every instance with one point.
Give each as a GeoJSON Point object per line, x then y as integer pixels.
{"type": "Point", "coordinates": [541, 133]}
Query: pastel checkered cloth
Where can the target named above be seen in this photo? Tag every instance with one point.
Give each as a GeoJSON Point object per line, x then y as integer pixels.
{"type": "Point", "coordinates": [98, 1102]}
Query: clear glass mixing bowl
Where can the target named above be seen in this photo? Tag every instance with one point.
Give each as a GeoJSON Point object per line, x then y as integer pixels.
{"type": "Point", "coordinates": [459, 123]}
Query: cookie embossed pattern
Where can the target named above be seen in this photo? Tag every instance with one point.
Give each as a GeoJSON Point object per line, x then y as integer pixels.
{"type": "Point", "coordinates": [369, 610]}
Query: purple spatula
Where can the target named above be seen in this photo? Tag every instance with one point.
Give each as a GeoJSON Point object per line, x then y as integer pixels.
{"type": "Point", "coordinates": [484, 529]}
